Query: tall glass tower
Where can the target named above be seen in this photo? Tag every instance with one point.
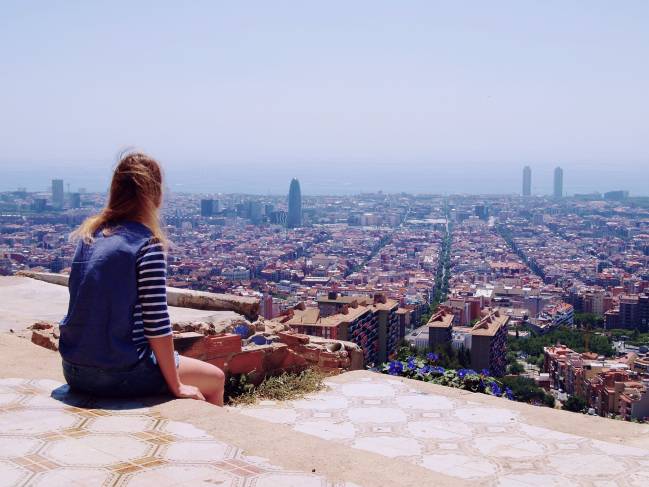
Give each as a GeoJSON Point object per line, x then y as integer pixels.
{"type": "Point", "coordinates": [558, 182]}
{"type": "Point", "coordinates": [527, 181]}
{"type": "Point", "coordinates": [294, 219]}
{"type": "Point", "coordinates": [57, 193]}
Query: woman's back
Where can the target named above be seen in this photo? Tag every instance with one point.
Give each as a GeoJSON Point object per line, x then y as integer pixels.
{"type": "Point", "coordinates": [98, 328]}
{"type": "Point", "coordinates": [116, 339]}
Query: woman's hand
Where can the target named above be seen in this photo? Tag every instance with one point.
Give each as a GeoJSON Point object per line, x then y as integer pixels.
{"type": "Point", "coordinates": [188, 392]}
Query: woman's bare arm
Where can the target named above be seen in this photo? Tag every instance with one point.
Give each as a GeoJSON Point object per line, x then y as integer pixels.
{"type": "Point", "coordinates": [163, 348]}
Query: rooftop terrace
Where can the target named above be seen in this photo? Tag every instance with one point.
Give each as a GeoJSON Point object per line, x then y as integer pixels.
{"type": "Point", "coordinates": [364, 429]}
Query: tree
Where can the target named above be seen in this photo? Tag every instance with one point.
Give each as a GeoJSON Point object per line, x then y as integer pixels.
{"type": "Point", "coordinates": [464, 357]}
{"type": "Point", "coordinates": [516, 368]}
{"type": "Point", "coordinates": [448, 356]}
{"type": "Point", "coordinates": [511, 357]}
{"type": "Point", "coordinates": [593, 320]}
{"type": "Point", "coordinates": [575, 404]}
{"type": "Point", "coordinates": [574, 339]}
{"type": "Point", "coordinates": [548, 400]}
{"type": "Point", "coordinates": [526, 390]}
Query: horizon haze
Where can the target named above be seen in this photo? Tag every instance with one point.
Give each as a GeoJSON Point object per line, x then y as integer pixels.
{"type": "Point", "coordinates": [347, 97]}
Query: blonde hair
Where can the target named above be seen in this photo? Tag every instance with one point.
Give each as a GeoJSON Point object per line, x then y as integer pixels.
{"type": "Point", "coordinates": [135, 194]}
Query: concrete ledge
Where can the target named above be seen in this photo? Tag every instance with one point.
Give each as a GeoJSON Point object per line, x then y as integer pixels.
{"type": "Point", "coordinates": [184, 298]}
{"type": "Point", "coordinates": [181, 298]}
{"type": "Point", "coordinates": [49, 277]}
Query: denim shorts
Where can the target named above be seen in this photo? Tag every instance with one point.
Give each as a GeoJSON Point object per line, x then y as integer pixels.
{"type": "Point", "coordinates": [143, 379]}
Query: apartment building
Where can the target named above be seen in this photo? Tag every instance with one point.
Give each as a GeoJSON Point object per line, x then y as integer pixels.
{"type": "Point", "coordinates": [371, 323]}
{"type": "Point", "coordinates": [486, 340]}
{"type": "Point", "coordinates": [617, 387]}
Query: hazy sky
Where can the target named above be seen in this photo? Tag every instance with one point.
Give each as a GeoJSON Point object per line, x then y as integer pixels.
{"type": "Point", "coordinates": [453, 96]}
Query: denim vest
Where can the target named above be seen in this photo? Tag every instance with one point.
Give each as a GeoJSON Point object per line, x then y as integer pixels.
{"type": "Point", "coordinates": [98, 328]}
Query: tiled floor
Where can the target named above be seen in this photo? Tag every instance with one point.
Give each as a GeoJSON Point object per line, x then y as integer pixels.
{"type": "Point", "coordinates": [456, 437]}
{"type": "Point", "coordinates": [49, 437]}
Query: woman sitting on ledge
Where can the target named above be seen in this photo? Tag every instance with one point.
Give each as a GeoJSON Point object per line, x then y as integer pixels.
{"type": "Point", "coordinates": [116, 338]}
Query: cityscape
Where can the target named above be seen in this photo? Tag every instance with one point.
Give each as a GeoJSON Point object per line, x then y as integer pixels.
{"type": "Point", "coordinates": [548, 293]}
{"type": "Point", "coordinates": [324, 244]}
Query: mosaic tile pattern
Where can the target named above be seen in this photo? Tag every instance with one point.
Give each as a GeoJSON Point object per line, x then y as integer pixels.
{"type": "Point", "coordinates": [456, 437]}
{"type": "Point", "coordinates": [50, 437]}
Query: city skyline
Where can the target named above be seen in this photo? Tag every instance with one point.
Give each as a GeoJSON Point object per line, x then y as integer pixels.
{"type": "Point", "coordinates": [543, 185]}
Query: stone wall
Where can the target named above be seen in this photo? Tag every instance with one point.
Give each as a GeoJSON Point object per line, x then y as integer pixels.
{"type": "Point", "coordinates": [264, 351]}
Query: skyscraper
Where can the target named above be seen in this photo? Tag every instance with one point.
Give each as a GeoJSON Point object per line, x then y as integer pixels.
{"type": "Point", "coordinates": [57, 193]}
{"type": "Point", "coordinates": [527, 181]}
{"type": "Point", "coordinates": [75, 200]}
{"type": "Point", "coordinates": [207, 207]}
{"type": "Point", "coordinates": [294, 219]}
{"type": "Point", "coordinates": [558, 182]}
{"type": "Point", "coordinates": [255, 212]}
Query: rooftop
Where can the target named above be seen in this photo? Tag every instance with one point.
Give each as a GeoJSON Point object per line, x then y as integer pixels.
{"type": "Point", "coordinates": [490, 324]}
{"type": "Point", "coordinates": [441, 319]}
{"type": "Point", "coordinates": [364, 429]}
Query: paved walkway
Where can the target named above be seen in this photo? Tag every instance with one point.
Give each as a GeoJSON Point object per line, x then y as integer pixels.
{"type": "Point", "coordinates": [49, 437]}
{"type": "Point", "coordinates": [457, 436]}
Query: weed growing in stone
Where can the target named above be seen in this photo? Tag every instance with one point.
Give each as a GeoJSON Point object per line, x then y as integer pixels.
{"type": "Point", "coordinates": [278, 388]}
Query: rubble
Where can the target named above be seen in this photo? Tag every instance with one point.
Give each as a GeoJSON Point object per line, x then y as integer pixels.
{"type": "Point", "coordinates": [282, 352]}
{"type": "Point", "coordinates": [218, 326]}
{"type": "Point", "coordinates": [45, 335]}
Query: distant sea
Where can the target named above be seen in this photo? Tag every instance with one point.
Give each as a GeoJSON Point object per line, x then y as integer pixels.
{"type": "Point", "coordinates": [322, 178]}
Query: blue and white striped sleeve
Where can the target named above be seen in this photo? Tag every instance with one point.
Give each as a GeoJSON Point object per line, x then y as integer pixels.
{"type": "Point", "coordinates": [152, 290]}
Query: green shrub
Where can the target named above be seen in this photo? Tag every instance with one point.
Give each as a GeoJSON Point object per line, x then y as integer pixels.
{"type": "Point", "coordinates": [575, 404]}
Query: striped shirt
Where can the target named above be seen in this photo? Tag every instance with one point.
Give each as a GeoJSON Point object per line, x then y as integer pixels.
{"type": "Point", "coordinates": [151, 316]}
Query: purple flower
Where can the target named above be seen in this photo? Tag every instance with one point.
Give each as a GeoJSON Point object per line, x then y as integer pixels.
{"type": "Point", "coordinates": [432, 357]}
{"type": "Point", "coordinates": [395, 368]}
{"type": "Point", "coordinates": [509, 394]}
{"type": "Point", "coordinates": [462, 373]}
{"type": "Point", "coordinates": [411, 364]}
{"type": "Point", "coordinates": [241, 330]}
{"type": "Point", "coordinates": [485, 372]}
{"type": "Point", "coordinates": [496, 390]}
{"type": "Point", "coordinates": [437, 370]}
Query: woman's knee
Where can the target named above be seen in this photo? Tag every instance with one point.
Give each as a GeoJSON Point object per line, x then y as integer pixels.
{"type": "Point", "coordinates": [219, 375]}
{"type": "Point", "coordinates": [197, 370]}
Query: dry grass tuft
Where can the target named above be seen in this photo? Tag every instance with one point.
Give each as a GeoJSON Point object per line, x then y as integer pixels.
{"type": "Point", "coordinates": [283, 387]}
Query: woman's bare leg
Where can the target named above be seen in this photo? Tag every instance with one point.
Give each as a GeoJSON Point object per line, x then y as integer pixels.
{"type": "Point", "coordinates": [208, 378]}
